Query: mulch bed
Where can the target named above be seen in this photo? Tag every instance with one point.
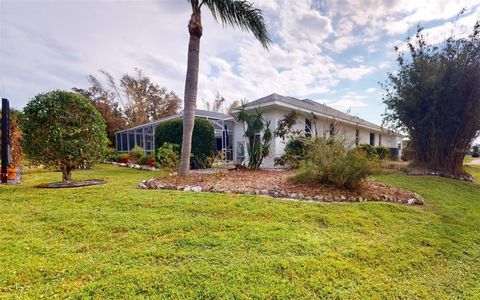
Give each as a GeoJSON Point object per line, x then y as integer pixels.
{"type": "Point", "coordinates": [71, 184]}
{"type": "Point", "coordinates": [278, 184]}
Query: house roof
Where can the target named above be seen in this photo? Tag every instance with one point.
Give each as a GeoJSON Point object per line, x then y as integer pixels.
{"type": "Point", "coordinates": [198, 113]}
{"type": "Point", "coordinates": [314, 107]}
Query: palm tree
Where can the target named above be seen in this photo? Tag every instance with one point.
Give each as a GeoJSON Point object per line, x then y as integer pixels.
{"type": "Point", "coordinates": [237, 13]}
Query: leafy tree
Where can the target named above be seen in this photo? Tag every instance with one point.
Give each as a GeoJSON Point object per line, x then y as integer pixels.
{"type": "Point", "coordinates": [219, 105]}
{"type": "Point", "coordinates": [237, 13]}
{"type": "Point", "coordinates": [105, 102]}
{"type": "Point", "coordinates": [135, 100]}
{"type": "Point", "coordinates": [232, 106]}
{"type": "Point", "coordinates": [258, 136]}
{"type": "Point", "coordinates": [63, 129]}
{"type": "Point", "coordinates": [435, 97]}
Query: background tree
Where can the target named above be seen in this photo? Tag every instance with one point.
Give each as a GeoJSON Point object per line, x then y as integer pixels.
{"type": "Point", "coordinates": [435, 98]}
{"type": "Point", "coordinates": [232, 106]}
{"type": "Point", "coordinates": [63, 129]}
{"type": "Point", "coordinates": [237, 13]}
{"type": "Point", "coordinates": [105, 102]}
{"type": "Point", "coordinates": [219, 104]}
{"type": "Point", "coordinates": [135, 100]}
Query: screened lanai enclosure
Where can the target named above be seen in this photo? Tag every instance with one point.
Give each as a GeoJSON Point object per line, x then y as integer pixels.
{"type": "Point", "coordinates": [144, 135]}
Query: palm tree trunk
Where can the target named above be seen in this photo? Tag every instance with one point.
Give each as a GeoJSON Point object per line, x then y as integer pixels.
{"type": "Point", "coordinates": [191, 83]}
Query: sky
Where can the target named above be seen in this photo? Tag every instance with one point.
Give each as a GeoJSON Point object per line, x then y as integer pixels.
{"type": "Point", "coordinates": [333, 51]}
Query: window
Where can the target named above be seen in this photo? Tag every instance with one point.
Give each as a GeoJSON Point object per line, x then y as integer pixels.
{"type": "Point", "coordinates": [379, 139]}
{"type": "Point", "coordinates": [372, 138]}
{"type": "Point", "coordinates": [357, 137]}
{"type": "Point", "coordinates": [308, 127]}
{"type": "Point", "coordinates": [332, 129]}
{"type": "Point", "coordinates": [139, 137]}
{"type": "Point", "coordinates": [124, 141]}
{"type": "Point", "coordinates": [131, 140]}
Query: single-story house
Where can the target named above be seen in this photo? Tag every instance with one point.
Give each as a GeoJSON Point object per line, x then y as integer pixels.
{"type": "Point", "coordinates": [314, 119]}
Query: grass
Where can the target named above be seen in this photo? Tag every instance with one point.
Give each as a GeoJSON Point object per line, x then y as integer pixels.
{"type": "Point", "coordinates": [114, 241]}
{"type": "Point", "coordinates": [467, 159]}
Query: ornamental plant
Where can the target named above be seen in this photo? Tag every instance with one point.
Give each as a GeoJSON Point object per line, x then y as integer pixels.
{"type": "Point", "coordinates": [203, 140]}
{"type": "Point", "coordinates": [63, 130]}
{"type": "Point", "coordinates": [327, 161]}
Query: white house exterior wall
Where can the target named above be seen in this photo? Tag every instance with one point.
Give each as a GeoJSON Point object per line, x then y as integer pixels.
{"type": "Point", "coordinates": [345, 132]}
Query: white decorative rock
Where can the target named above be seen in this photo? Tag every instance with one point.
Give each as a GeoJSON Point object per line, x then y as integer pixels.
{"type": "Point", "coordinates": [196, 189]}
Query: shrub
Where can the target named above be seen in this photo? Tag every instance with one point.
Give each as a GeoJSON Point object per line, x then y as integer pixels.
{"type": "Point", "coordinates": [368, 149]}
{"type": "Point", "coordinates": [110, 154]}
{"type": "Point", "coordinates": [124, 158]}
{"type": "Point", "coordinates": [137, 153]}
{"type": "Point", "coordinates": [203, 140]}
{"type": "Point", "coordinates": [168, 156]}
{"type": "Point", "coordinates": [382, 152]}
{"type": "Point", "coordinates": [351, 170]}
{"type": "Point", "coordinates": [328, 162]}
{"type": "Point", "coordinates": [16, 138]}
{"type": "Point", "coordinates": [64, 130]}
{"type": "Point", "coordinates": [295, 151]}
{"type": "Point", "coordinates": [372, 152]}
{"type": "Point", "coordinates": [143, 160]}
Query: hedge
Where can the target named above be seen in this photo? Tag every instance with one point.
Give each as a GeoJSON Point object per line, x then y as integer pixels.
{"type": "Point", "coordinates": [203, 140]}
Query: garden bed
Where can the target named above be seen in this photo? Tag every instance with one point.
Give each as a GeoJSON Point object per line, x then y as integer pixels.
{"type": "Point", "coordinates": [278, 184]}
{"type": "Point", "coordinates": [71, 184]}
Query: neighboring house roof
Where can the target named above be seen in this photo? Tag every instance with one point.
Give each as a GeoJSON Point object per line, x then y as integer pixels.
{"type": "Point", "coordinates": [314, 107]}
{"type": "Point", "coordinates": [198, 113]}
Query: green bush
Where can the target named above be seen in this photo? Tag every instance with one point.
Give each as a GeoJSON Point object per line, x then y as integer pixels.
{"type": "Point", "coordinates": [382, 152]}
{"type": "Point", "coordinates": [295, 151]}
{"type": "Point", "coordinates": [110, 154]}
{"type": "Point", "coordinates": [351, 170]}
{"type": "Point", "coordinates": [124, 158]}
{"type": "Point", "coordinates": [63, 130]}
{"type": "Point", "coordinates": [368, 149]}
{"type": "Point", "coordinates": [137, 153]}
{"type": "Point", "coordinates": [372, 152]}
{"type": "Point", "coordinates": [203, 140]}
{"type": "Point", "coordinates": [143, 160]}
{"type": "Point", "coordinates": [327, 161]}
{"type": "Point", "coordinates": [168, 156]}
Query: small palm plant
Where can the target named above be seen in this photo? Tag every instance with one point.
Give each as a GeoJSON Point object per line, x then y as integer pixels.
{"type": "Point", "coordinates": [237, 13]}
{"type": "Point", "coordinates": [258, 136]}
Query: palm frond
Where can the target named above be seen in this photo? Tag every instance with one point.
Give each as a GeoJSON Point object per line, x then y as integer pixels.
{"type": "Point", "coordinates": [241, 14]}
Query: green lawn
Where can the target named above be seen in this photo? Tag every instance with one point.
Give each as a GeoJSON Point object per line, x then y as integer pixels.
{"type": "Point", "coordinates": [467, 159]}
{"type": "Point", "coordinates": [114, 241]}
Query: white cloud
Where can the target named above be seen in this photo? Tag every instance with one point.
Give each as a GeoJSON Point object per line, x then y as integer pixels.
{"type": "Point", "coordinates": [354, 73]}
{"type": "Point", "coordinates": [371, 90]}
{"type": "Point", "coordinates": [320, 46]}
{"type": "Point", "coordinates": [348, 101]}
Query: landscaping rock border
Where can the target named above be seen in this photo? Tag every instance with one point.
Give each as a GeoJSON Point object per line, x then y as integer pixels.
{"type": "Point", "coordinates": [278, 193]}
{"type": "Point", "coordinates": [135, 166]}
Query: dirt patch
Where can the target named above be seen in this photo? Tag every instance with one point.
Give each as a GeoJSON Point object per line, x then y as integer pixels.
{"type": "Point", "coordinates": [71, 184]}
{"type": "Point", "coordinates": [278, 184]}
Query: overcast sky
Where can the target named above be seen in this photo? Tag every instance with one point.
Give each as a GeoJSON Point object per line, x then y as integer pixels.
{"type": "Point", "coordinates": [333, 51]}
